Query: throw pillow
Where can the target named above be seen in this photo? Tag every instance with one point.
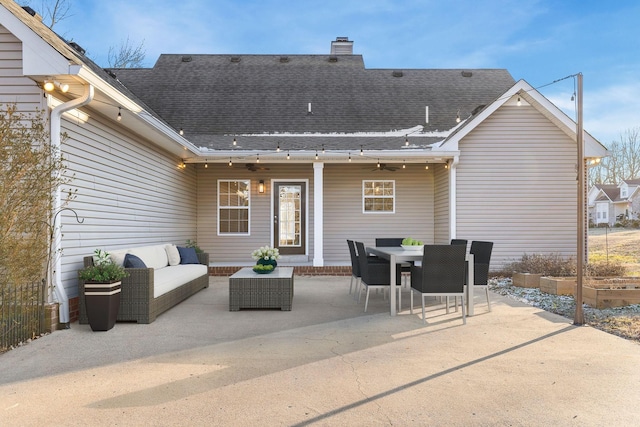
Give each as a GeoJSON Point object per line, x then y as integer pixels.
{"type": "Point", "coordinates": [132, 261]}
{"type": "Point", "coordinates": [172, 254]}
{"type": "Point", "coordinates": [188, 255]}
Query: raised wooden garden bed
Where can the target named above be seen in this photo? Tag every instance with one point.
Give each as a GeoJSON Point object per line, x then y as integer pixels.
{"type": "Point", "coordinates": [598, 292]}
{"type": "Point", "coordinates": [612, 292]}
{"type": "Point", "coordinates": [558, 285]}
{"type": "Point", "coordinates": [526, 280]}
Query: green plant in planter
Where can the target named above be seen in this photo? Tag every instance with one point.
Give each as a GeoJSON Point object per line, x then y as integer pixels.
{"type": "Point", "coordinates": [193, 244]}
{"type": "Point", "coordinates": [103, 269]}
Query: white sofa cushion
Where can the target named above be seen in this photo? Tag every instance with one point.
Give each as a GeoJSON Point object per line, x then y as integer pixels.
{"type": "Point", "coordinates": [153, 256]}
{"type": "Point", "coordinates": [170, 278]}
{"type": "Point", "coordinates": [118, 256]}
{"type": "Point", "coordinates": [172, 254]}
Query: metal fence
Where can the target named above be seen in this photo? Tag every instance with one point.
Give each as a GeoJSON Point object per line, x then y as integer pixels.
{"type": "Point", "coordinates": [22, 314]}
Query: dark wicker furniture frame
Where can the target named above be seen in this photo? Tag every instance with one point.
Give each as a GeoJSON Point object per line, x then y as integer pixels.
{"type": "Point", "coordinates": [248, 289]}
{"type": "Point", "coordinates": [137, 303]}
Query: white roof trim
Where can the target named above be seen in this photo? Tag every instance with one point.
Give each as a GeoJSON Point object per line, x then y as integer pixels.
{"type": "Point", "coordinates": [593, 148]}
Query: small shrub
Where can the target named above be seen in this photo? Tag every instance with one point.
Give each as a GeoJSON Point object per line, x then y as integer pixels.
{"type": "Point", "coordinates": [547, 265]}
{"type": "Point", "coordinates": [605, 269]}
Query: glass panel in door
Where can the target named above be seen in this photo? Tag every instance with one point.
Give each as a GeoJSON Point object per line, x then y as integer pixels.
{"type": "Point", "coordinates": [289, 221]}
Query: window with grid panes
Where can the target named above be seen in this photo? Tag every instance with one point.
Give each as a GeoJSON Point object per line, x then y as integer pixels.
{"type": "Point", "coordinates": [233, 206]}
{"type": "Point", "coordinates": [378, 196]}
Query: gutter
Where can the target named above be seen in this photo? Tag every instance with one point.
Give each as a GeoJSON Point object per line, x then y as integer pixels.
{"type": "Point", "coordinates": [56, 274]}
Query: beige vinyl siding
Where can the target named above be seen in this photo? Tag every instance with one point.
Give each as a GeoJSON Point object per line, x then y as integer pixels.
{"type": "Point", "coordinates": [516, 186]}
{"type": "Point", "coordinates": [441, 208]}
{"type": "Point", "coordinates": [14, 87]}
{"type": "Point", "coordinates": [236, 249]}
{"type": "Point", "coordinates": [129, 193]}
{"type": "Point", "coordinates": [343, 217]}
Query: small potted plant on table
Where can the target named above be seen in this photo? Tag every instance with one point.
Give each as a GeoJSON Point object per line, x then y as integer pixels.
{"type": "Point", "coordinates": [266, 259]}
{"type": "Point", "coordinates": [100, 287]}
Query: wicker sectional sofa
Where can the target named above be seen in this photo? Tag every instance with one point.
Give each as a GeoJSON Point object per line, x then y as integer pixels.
{"type": "Point", "coordinates": [164, 281]}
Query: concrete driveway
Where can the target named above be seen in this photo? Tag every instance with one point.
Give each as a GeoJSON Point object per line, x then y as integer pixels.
{"type": "Point", "coordinates": [325, 363]}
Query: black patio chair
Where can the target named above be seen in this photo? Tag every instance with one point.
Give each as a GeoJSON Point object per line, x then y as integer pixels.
{"type": "Point", "coordinates": [459, 242]}
{"type": "Point", "coordinates": [441, 274]}
{"type": "Point", "coordinates": [481, 259]}
{"type": "Point", "coordinates": [376, 274]}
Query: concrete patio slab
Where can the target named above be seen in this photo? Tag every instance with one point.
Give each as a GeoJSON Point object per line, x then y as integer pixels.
{"type": "Point", "coordinates": [324, 363]}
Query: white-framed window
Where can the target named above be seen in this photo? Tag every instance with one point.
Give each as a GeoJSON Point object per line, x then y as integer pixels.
{"type": "Point", "coordinates": [378, 196]}
{"type": "Point", "coordinates": [234, 207]}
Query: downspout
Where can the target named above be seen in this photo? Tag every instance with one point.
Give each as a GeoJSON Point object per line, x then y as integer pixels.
{"type": "Point", "coordinates": [56, 274]}
{"type": "Point", "coordinates": [453, 164]}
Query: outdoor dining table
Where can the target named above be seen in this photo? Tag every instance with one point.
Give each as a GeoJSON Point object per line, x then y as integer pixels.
{"type": "Point", "coordinates": [398, 254]}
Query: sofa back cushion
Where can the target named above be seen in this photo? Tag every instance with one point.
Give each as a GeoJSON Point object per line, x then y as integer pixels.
{"type": "Point", "coordinates": [117, 256]}
{"type": "Point", "coordinates": [132, 261]}
{"type": "Point", "coordinates": [188, 255]}
{"type": "Point", "coordinates": [172, 254]}
{"type": "Point", "coordinates": [153, 256]}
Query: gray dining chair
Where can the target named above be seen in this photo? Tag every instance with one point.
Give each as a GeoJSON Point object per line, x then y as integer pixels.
{"type": "Point", "coordinates": [375, 274]}
{"type": "Point", "coordinates": [459, 242]}
{"type": "Point", "coordinates": [481, 259]}
{"type": "Point", "coordinates": [442, 273]}
{"type": "Point", "coordinates": [405, 267]}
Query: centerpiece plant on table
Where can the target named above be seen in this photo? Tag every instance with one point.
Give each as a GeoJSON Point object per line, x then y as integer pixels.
{"type": "Point", "coordinates": [265, 256]}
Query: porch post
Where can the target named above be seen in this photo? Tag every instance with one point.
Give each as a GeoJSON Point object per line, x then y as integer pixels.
{"type": "Point", "coordinates": [452, 198]}
{"type": "Point", "coordinates": [318, 214]}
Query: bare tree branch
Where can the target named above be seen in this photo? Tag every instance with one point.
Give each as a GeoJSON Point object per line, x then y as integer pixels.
{"type": "Point", "coordinates": [127, 55]}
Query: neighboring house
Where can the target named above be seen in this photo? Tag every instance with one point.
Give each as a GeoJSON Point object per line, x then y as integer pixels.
{"type": "Point", "coordinates": [610, 203]}
{"type": "Point", "coordinates": [299, 151]}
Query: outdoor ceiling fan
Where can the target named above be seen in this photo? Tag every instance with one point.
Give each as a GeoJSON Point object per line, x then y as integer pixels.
{"type": "Point", "coordinates": [253, 168]}
{"type": "Point", "coordinates": [383, 167]}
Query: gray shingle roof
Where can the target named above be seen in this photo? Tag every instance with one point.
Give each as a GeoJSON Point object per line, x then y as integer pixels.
{"type": "Point", "coordinates": [262, 98]}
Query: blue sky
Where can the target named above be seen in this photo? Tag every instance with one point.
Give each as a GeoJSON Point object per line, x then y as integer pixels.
{"type": "Point", "coordinates": [539, 41]}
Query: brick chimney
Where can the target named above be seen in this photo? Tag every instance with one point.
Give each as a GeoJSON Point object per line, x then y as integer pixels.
{"type": "Point", "coordinates": [342, 46]}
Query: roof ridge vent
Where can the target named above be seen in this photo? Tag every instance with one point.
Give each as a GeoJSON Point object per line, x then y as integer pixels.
{"type": "Point", "coordinates": [32, 12]}
{"type": "Point", "coordinates": [77, 47]}
{"type": "Point", "coordinates": [397, 73]}
{"type": "Point", "coordinates": [284, 59]}
{"type": "Point", "coordinates": [235, 59]}
{"type": "Point", "coordinates": [333, 58]}
{"type": "Point", "coordinates": [466, 74]}
{"type": "Point", "coordinates": [187, 58]}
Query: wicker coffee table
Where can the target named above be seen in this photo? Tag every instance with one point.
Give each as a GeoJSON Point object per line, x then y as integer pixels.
{"type": "Point", "coordinates": [248, 289]}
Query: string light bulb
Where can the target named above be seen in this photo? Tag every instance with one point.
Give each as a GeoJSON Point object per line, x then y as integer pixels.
{"type": "Point", "coordinates": [288, 156]}
{"type": "Point", "coordinates": [322, 148]}
{"type": "Point", "coordinates": [458, 117]}
{"type": "Point", "coordinates": [361, 152]}
{"type": "Point", "coordinates": [49, 86]}
{"type": "Point", "coordinates": [404, 166]}
{"type": "Point", "coordinates": [230, 162]}
{"type": "Point", "coordinates": [518, 102]}
{"type": "Point", "coordinates": [316, 154]}
{"type": "Point", "coordinates": [349, 157]}
{"type": "Point", "coordinates": [406, 140]}
{"type": "Point", "coordinates": [278, 149]}
{"type": "Point", "coordinates": [235, 142]}
{"type": "Point", "coordinates": [378, 165]}
{"type": "Point", "coordinates": [181, 131]}
{"type": "Point", "coordinates": [206, 165]}
{"type": "Point", "coordinates": [119, 116]}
